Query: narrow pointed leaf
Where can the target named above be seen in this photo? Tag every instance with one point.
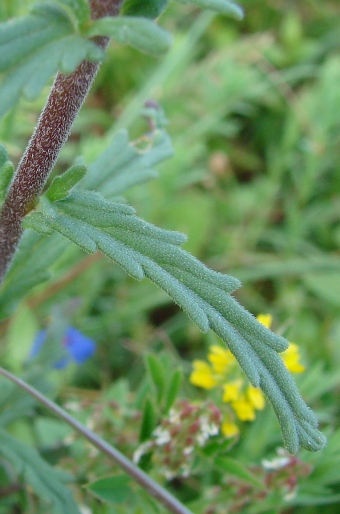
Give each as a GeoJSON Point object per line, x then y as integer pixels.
{"type": "Point", "coordinates": [79, 10]}
{"type": "Point", "coordinates": [202, 293]}
{"type": "Point", "coordinates": [30, 266]}
{"type": "Point", "coordinates": [74, 231]}
{"type": "Point", "coordinates": [3, 155]}
{"type": "Point", "coordinates": [122, 166]}
{"type": "Point", "coordinates": [139, 33]}
{"type": "Point", "coordinates": [34, 47]}
{"type": "Point", "coordinates": [6, 170]}
{"type": "Point", "coordinates": [62, 184]}
{"type": "Point", "coordinates": [46, 482]}
{"type": "Point", "coordinates": [220, 6]}
{"type": "Point", "coordinates": [37, 221]}
{"type": "Point", "coordinates": [148, 9]}
{"type": "Point", "coordinates": [157, 374]}
{"type": "Point", "coordinates": [148, 420]}
{"type": "Point", "coordinates": [114, 489]}
{"type": "Point", "coordinates": [236, 469]}
{"type": "Point", "coordinates": [174, 384]}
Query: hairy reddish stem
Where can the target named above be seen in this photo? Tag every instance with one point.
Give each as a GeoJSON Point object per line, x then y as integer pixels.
{"type": "Point", "coordinates": [54, 125]}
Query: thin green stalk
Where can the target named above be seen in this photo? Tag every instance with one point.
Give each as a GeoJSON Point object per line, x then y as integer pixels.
{"type": "Point", "coordinates": [154, 489]}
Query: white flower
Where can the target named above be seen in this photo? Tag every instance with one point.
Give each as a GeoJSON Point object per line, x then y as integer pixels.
{"type": "Point", "coordinates": [277, 463]}
{"type": "Point", "coordinates": [188, 450]}
{"type": "Point", "coordinates": [161, 435]}
{"type": "Point", "coordinates": [85, 510]}
{"type": "Point", "coordinates": [290, 495]}
{"type": "Point", "coordinates": [185, 471]}
{"type": "Point", "coordinates": [169, 475]}
{"type": "Point", "coordinates": [174, 417]}
{"type": "Point", "coordinates": [208, 428]}
{"type": "Point", "coordinates": [202, 438]}
{"type": "Point", "coordinates": [73, 406]}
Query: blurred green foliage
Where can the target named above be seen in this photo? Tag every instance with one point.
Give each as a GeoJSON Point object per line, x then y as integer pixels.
{"type": "Point", "coordinates": [254, 182]}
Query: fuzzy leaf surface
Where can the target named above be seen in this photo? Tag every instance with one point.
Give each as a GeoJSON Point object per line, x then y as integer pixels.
{"type": "Point", "coordinates": [119, 167]}
{"type": "Point", "coordinates": [113, 489]}
{"type": "Point", "coordinates": [34, 47]}
{"type": "Point", "coordinates": [62, 184]}
{"type": "Point", "coordinates": [78, 10]}
{"type": "Point", "coordinates": [47, 482]}
{"type": "Point", "coordinates": [143, 250]}
{"type": "Point", "coordinates": [122, 165]}
{"type": "Point", "coordinates": [30, 266]}
{"type": "Point", "coordinates": [6, 171]}
{"type": "Point", "coordinates": [220, 6]}
{"type": "Point", "coordinates": [137, 32]}
{"type": "Point", "coordinates": [149, 8]}
{"type": "Point", "coordinates": [3, 156]}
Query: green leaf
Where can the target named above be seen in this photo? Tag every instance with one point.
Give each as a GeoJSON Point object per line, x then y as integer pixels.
{"type": "Point", "coordinates": [173, 389]}
{"type": "Point", "coordinates": [47, 483]}
{"type": "Point", "coordinates": [315, 494]}
{"type": "Point", "coordinates": [78, 10]}
{"type": "Point", "coordinates": [145, 250]}
{"type": "Point", "coordinates": [62, 184]}
{"type": "Point", "coordinates": [3, 155]}
{"type": "Point", "coordinates": [236, 469]}
{"type": "Point", "coordinates": [51, 431]}
{"type": "Point", "coordinates": [118, 391]}
{"type": "Point", "coordinates": [213, 447]}
{"type": "Point", "coordinates": [6, 174]}
{"type": "Point", "coordinates": [139, 33]}
{"type": "Point", "coordinates": [20, 336]}
{"type": "Point", "coordinates": [122, 166]}
{"type": "Point", "coordinates": [39, 224]}
{"type": "Point", "coordinates": [30, 267]}
{"type": "Point", "coordinates": [142, 249]}
{"type": "Point", "coordinates": [34, 47]}
{"type": "Point", "coordinates": [148, 8]}
{"type": "Point", "coordinates": [148, 421]}
{"type": "Point", "coordinates": [157, 374]}
{"type": "Point", "coordinates": [114, 489]}
{"type": "Point", "coordinates": [6, 170]}
{"type": "Point", "coordinates": [220, 6]}
{"type": "Point", "coordinates": [16, 403]}
{"type": "Point", "coordinates": [324, 285]}
{"type": "Point", "coordinates": [326, 465]}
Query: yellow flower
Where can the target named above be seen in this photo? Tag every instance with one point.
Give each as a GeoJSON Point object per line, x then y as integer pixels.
{"type": "Point", "coordinates": [256, 397]}
{"type": "Point", "coordinates": [222, 371]}
{"type": "Point", "coordinates": [291, 356]}
{"type": "Point", "coordinates": [265, 319]}
{"type": "Point", "coordinates": [231, 390]}
{"type": "Point", "coordinates": [244, 409]}
{"type": "Point", "coordinates": [220, 358]}
{"type": "Point", "coordinates": [202, 375]}
{"type": "Point", "coordinates": [291, 359]}
{"type": "Point", "coordinates": [244, 402]}
{"type": "Point", "coordinates": [229, 429]}
{"type": "Point", "coordinates": [209, 376]}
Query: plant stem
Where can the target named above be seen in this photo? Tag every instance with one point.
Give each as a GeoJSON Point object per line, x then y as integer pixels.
{"type": "Point", "coordinates": [154, 489]}
{"type": "Point", "coordinates": [54, 125]}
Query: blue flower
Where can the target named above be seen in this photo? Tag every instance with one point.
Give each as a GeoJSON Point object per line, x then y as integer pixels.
{"type": "Point", "coordinates": [79, 348]}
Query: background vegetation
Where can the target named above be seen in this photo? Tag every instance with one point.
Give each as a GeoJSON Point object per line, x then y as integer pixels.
{"type": "Point", "coordinates": [253, 110]}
